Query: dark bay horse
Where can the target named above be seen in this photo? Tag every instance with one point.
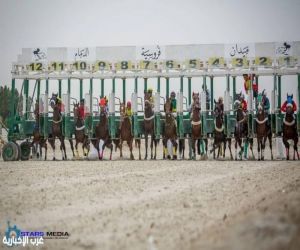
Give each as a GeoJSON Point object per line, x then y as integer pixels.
{"type": "Point", "coordinates": [38, 141]}
{"type": "Point", "coordinates": [57, 130]}
{"type": "Point", "coordinates": [289, 129]}
{"type": "Point", "coordinates": [80, 136]}
{"type": "Point", "coordinates": [126, 132]}
{"type": "Point", "coordinates": [196, 125]}
{"type": "Point", "coordinates": [241, 130]}
{"type": "Point", "coordinates": [170, 132]}
{"type": "Point", "coordinates": [102, 135]}
{"type": "Point", "coordinates": [263, 130]}
{"type": "Point", "coordinates": [149, 128]}
{"type": "Point", "coordinates": [219, 134]}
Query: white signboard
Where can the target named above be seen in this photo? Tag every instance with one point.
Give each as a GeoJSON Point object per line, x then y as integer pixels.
{"type": "Point", "coordinates": [150, 53]}
{"type": "Point", "coordinates": [238, 50]}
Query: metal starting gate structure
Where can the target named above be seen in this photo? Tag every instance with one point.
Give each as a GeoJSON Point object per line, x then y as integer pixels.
{"type": "Point", "coordinates": [143, 62]}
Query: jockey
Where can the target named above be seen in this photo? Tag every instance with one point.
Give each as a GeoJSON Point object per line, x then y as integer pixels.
{"type": "Point", "coordinates": [289, 102]}
{"type": "Point", "coordinates": [103, 103]}
{"type": "Point", "coordinates": [207, 95]}
{"type": "Point", "coordinates": [265, 102]}
{"type": "Point", "coordinates": [81, 109]}
{"type": "Point", "coordinates": [173, 101]}
{"type": "Point", "coordinates": [128, 111]}
{"type": "Point", "coordinates": [150, 92]}
{"type": "Point", "coordinates": [247, 83]}
{"type": "Point", "coordinates": [220, 102]}
{"type": "Point", "coordinates": [243, 102]}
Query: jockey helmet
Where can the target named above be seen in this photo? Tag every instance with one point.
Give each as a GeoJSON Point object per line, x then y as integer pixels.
{"type": "Point", "coordinates": [128, 104]}
{"type": "Point", "coordinates": [173, 94]}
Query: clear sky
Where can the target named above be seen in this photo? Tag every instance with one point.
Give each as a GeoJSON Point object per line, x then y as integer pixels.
{"type": "Point", "coordinates": [42, 23]}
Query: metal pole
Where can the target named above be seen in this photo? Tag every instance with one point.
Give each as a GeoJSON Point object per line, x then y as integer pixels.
{"type": "Point", "coordinates": [69, 85]}
{"type": "Point", "coordinates": [233, 87]}
{"type": "Point", "coordinates": [80, 89]}
{"type": "Point", "coordinates": [135, 84]}
{"type": "Point", "coordinates": [59, 88]}
{"type": "Point", "coordinates": [158, 84]}
{"type": "Point", "coordinates": [190, 90]}
{"type": "Point", "coordinates": [167, 86]}
{"type": "Point", "coordinates": [279, 92]}
{"type": "Point", "coordinates": [181, 84]}
{"type": "Point", "coordinates": [114, 85]}
{"type": "Point", "coordinates": [228, 83]}
{"type": "Point", "coordinates": [38, 89]}
{"type": "Point", "coordinates": [124, 90]}
{"type": "Point", "coordinates": [211, 92]}
{"type": "Point", "coordinates": [47, 86]}
{"type": "Point", "coordinates": [26, 89]}
{"type": "Point", "coordinates": [102, 88]}
{"type": "Point", "coordinates": [145, 84]}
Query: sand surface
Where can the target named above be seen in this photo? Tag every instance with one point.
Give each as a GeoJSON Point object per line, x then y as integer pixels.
{"type": "Point", "coordinates": [123, 204]}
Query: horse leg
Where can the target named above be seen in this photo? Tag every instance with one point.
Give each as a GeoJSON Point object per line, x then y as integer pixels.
{"type": "Point", "coordinates": [193, 146]}
{"type": "Point", "coordinates": [139, 145]}
{"type": "Point", "coordinates": [258, 147]}
{"type": "Point", "coordinates": [235, 146]}
{"type": "Point", "coordinates": [130, 147]}
{"type": "Point", "coordinates": [229, 146]}
{"type": "Point", "coordinates": [175, 145]}
{"type": "Point", "coordinates": [110, 146]}
{"type": "Point", "coordinates": [46, 148]}
{"type": "Point", "coordinates": [146, 146]}
{"type": "Point", "coordinates": [251, 147]}
{"type": "Point", "coordinates": [151, 146]}
{"type": "Point", "coordinates": [76, 149]}
{"type": "Point", "coordinates": [155, 145]}
{"type": "Point", "coordinates": [263, 148]}
{"type": "Point", "coordinates": [270, 144]}
{"type": "Point", "coordinates": [72, 146]}
{"type": "Point", "coordinates": [121, 146]}
{"type": "Point", "coordinates": [52, 143]}
{"type": "Point", "coordinates": [296, 147]}
{"type": "Point", "coordinates": [287, 147]}
{"type": "Point", "coordinates": [63, 148]}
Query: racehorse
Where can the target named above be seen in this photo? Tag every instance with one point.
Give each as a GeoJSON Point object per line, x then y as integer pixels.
{"type": "Point", "coordinates": [126, 132]}
{"type": "Point", "coordinates": [289, 129]}
{"type": "Point", "coordinates": [38, 141]}
{"type": "Point", "coordinates": [80, 136]}
{"type": "Point", "coordinates": [196, 123]}
{"type": "Point", "coordinates": [170, 131]}
{"type": "Point", "coordinates": [241, 130]}
{"type": "Point", "coordinates": [263, 130]}
{"type": "Point", "coordinates": [219, 134]}
{"type": "Point", "coordinates": [149, 128]}
{"type": "Point", "coordinates": [57, 129]}
{"type": "Point", "coordinates": [102, 135]}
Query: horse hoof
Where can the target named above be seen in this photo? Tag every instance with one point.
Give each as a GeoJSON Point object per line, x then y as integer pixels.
{"type": "Point", "coordinates": [53, 159]}
{"type": "Point", "coordinates": [175, 157]}
{"type": "Point", "coordinates": [169, 157]}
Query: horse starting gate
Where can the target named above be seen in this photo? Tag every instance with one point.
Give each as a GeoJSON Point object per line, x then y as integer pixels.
{"type": "Point", "coordinates": [176, 61]}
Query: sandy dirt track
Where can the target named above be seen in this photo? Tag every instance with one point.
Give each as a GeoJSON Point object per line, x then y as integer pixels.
{"type": "Point", "coordinates": [155, 204]}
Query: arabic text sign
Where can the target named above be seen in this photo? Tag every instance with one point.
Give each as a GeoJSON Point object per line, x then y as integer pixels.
{"type": "Point", "coordinates": [239, 50]}
{"type": "Point", "coordinates": [81, 54]}
{"type": "Point", "coordinates": [150, 53]}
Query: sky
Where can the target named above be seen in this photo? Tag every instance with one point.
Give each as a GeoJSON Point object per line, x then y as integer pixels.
{"type": "Point", "coordinates": [72, 23]}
